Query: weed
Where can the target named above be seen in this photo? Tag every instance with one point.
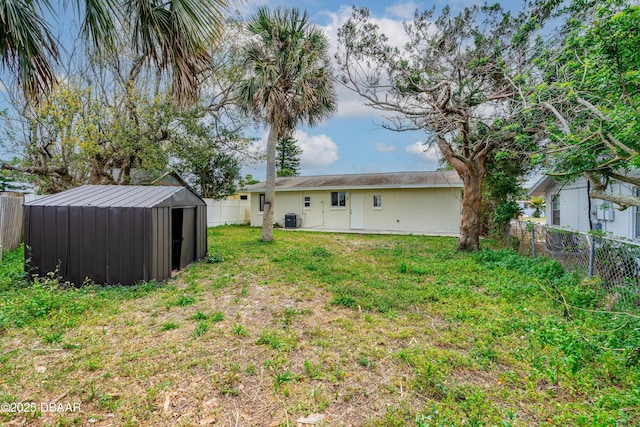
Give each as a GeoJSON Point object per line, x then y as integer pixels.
{"type": "Point", "coordinates": [215, 258]}
{"type": "Point", "coordinates": [313, 370]}
{"type": "Point", "coordinates": [199, 316]}
{"type": "Point", "coordinates": [251, 370]}
{"type": "Point", "coordinates": [363, 361]}
{"type": "Point", "coordinates": [320, 252]}
{"type": "Point", "coordinates": [239, 330]}
{"type": "Point", "coordinates": [93, 364]}
{"type": "Point", "coordinates": [217, 316]}
{"type": "Point", "coordinates": [200, 329]}
{"type": "Point", "coordinates": [183, 301]}
{"type": "Point", "coordinates": [280, 378]}
{"type": "Point", "coordinates": [276, 340]}
{"type": "Point", "coordinates": [52, 338]}
{"type": "Point", "coordinates": [167, 326]}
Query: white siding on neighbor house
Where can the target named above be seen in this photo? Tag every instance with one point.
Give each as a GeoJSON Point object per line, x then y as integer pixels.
{"type": "Point", "coordinates": [575, 214]}
{"type": "Point", "coordinates": [234, 211]}
{"type": "Point", "coordinates": [426, 210]}
{"type": "Point", "coordinates": [574, 205]}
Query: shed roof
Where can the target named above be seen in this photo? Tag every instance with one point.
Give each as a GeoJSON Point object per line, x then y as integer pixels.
{"type": "Point", "coordinates": [139, 196]}
{"type": "Point", "coordinates": [422, 179]}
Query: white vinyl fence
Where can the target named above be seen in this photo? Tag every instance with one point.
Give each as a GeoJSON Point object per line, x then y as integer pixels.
{"type": "Point", "coordinates": [10, 222]}
{"type": "Point", "coordinates": [220, 212]}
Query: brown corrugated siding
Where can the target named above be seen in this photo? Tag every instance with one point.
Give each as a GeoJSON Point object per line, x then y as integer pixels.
{"type": "Point", "coordinates": [110, 244]}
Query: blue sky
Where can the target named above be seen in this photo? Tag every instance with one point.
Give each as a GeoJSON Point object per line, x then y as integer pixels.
{"type": "Point", "coordinates": [353, 140]}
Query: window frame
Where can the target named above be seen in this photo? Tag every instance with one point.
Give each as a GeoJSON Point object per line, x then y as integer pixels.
{"type": "Point", "coordinates": [555, 210]}
{"type": "Point", "coordinates": [261, 200]}
{"type": "Point", "coordinates": [307, 202]}
{"type": "Point", "coordinates": [341, 202]}
{"type": "Point", "coordinates": [377, 201]}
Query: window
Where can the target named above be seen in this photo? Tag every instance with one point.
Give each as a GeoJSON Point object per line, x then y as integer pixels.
{"type": "Point", "coordinates": [307, 202]}
{"type": "Point", "coordinates": [555, 210]}
{"type": "Point", "coordinates": [261, 208]}
{"type": "Point", "coordinates": [377, 202]}
{"type": "Point", "coordinates": [244, 197]}
{"type": "Point", "coordinates": [338, 199]}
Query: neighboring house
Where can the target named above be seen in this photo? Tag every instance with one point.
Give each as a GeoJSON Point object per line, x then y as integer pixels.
{"type": "Point", "coordinates": [397, 202]}
{"type": "Point", "coordinates": [569, 206]}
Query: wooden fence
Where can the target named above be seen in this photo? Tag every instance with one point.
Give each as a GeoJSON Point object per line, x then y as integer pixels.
{"type": "Point", "coordinates": [10, 222]}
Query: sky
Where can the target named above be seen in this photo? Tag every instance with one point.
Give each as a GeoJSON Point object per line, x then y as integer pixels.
{"type": "Point", "coordinates": [353, 140]}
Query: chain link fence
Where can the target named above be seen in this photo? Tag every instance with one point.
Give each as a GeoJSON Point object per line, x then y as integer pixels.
{"type": "Point", "coordinates": [615, 262]}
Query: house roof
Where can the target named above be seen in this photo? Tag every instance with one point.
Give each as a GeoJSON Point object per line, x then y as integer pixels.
{"type": "Point", "coordinates": [541, 186]}
{"type": "Point", "coordinates": [423, 179]}
{"type": "Point", "coordinates": [139, 196]}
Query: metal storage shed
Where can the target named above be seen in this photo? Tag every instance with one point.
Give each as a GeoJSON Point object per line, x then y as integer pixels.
{"type": "Point", "coordinates": [115, 234]}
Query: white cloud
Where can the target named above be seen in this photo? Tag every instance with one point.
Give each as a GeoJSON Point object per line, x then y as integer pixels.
{"type": "Point", "coordinates": [317, 150]}
{"type": "Point", "coordinates": [402, 10]}
{"type": "Point", "coordinates": [427, 153]}
{"type": "Point", "coordinates": [351, 104]}
{"type": "Point", "coordinates": [384, 148]}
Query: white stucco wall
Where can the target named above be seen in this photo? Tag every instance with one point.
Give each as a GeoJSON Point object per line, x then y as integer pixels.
{"type": "Point", "coordinates": [428, 211]}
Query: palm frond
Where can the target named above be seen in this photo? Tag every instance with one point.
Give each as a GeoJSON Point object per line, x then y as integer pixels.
{"type": "Point", "coordinates": [27, 47]}
{"type": "Point", "coordinates": [290, 78]}
{"type": "Point", "coordinates": [174, 35]}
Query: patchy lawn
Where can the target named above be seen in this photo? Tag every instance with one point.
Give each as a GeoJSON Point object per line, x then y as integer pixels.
{"type": "Point", "coordinates": [363, 330]}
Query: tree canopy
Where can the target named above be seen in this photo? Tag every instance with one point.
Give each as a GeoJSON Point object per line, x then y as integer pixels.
{"type": "Point", "coordinates": [453, 79]}
{"type": "Point", "coordinates": [590, 94]}
{"type": "Point", "coordinates": [288, 156]}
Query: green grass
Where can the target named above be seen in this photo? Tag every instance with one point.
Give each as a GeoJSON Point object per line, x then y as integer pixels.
{"type": "Point", "coordinates": [391, 330]}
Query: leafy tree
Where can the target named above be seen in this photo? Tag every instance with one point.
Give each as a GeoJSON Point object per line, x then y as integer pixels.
{"type": "Point", "coordinates": [210, 156]}
{"type": "Point", "coordinates": [288, 156]}
{"type": "Point", "coordinates": [112, 121]}
{"type": "Point", "coordinates": [248, 180]}
{"type": "Point", "coordinates": [590, 95]}
{"type": "Point", "coordinates": [288, 83]}
{"type": "Point", "coordinates": [454, 79]}
{"type": "Point", "coordinates": [172, 35]}
{"type": "Point", "coordinates": [502, 188]}
{"type": "Point", "coordinates": [100, 134]}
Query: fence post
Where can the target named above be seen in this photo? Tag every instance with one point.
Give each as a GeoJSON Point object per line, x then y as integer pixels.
{"type": "Point", "coordinates": [592, 253]}
{"type": "Point", "coordinates": [533, 241]}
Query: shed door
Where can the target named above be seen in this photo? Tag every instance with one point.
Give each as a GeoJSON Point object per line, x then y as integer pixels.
{"type": "Point", "coordinates": [357, 211]}
{"type": "Point", "coordinates": [188, 252]}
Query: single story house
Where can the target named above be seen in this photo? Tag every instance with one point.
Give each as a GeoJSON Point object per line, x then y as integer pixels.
{"type": "Point", "coordinates": [397, 202]}
{"type": "Point", "coordinates": [569, 206]}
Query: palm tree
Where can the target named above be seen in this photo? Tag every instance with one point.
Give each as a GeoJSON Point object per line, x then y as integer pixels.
{"type": "Point", "coordinates": [289, 82]}
{"type": "Point", "coordinates": [171, 34]}
{"type": "Point", "coordinates": [537, 203]}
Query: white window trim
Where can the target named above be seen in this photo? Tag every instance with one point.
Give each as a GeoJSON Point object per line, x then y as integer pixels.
{"type": "Point", "coordinates": [377, 208]}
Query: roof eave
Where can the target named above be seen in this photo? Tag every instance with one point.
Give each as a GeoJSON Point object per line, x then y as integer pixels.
{"type": "Point", "coordinates": [360, 187]}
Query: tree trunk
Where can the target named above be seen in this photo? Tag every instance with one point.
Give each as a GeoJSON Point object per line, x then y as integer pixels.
{"type": "Point", "coordinates": [471, 171]}
{"type": "Point", "coordinates": [471, 225]}
{"type": "Point", "coordinates": [270, 192]}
